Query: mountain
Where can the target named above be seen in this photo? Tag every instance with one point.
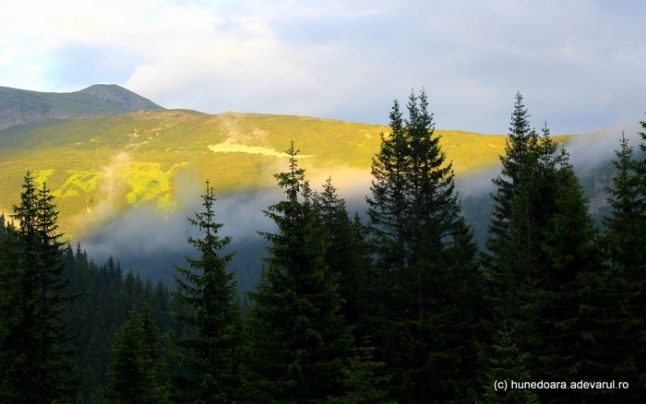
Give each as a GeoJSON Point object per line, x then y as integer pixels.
{"type": "Point", "coordinates": [100, 166]}
{"type": "Point", "coordinates": [19, 107]}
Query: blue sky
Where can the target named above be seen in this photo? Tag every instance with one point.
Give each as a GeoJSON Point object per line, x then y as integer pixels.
{"type": "Point", "coordinates": [581, 64]}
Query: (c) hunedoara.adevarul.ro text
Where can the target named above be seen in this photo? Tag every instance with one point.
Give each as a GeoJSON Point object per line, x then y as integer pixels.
{"type": "Point", "coordinates": [504, 385]}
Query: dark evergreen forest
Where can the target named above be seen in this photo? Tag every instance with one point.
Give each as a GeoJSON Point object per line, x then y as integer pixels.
{"type": "Point", "coordinates": [402, 307]}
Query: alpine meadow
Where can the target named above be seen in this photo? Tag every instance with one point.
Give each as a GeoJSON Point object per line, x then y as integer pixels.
{"type": "Point", "coordinates": [330, 241]}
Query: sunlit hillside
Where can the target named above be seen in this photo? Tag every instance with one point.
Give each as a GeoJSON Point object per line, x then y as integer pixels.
{"type": "Point", "coordinates": [97, 167]}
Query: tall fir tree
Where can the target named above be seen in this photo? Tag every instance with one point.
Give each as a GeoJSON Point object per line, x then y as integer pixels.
{"type": "Point", "coordinates": [41, 368]}
{"type": "Point", "coordinates": [513, 254]}
{"type": "Point", "coordinates": [511, 213]}
{"type": "Point", "coordinates": [347, 252]}
{"type": "Point", "coordinates": [623, 237]}
{"type": "Point", "coordinates": [546, 276]}
{"type": "Point", "coordinates": [623, 240]}
{"type": "Point", "coordinates": [300, 344]}
{"type": "Point", "coordinates": [639, 306]}
{"type": "Point", "coordinates": [10, 311]}
{"type": "Point", "coordinates": [387, 205]}
{"type": "Point", "coordinates": [347, 257]}
{"type": "Point", "coordinates": [428, 281]}
{"type": "Point", "coordinates": [206, 291]}
{"type": "Point", "coordinates": [575, 328]}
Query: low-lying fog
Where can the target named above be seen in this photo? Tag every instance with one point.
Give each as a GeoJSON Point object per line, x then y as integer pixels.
{"type": "Point", "coordinates": [152, 244]}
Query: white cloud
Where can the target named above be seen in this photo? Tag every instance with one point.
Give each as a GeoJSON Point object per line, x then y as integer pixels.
{"type": "Point", "coordinates": [581, 64]}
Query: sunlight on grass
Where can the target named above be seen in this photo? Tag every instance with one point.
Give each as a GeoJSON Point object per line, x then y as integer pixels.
{"type": "Point", "coordinates": [41, 176]}
{"type": "Point", "coordinates": [135, 158]}
{"type": "Point", "coordinates": [227, 147]}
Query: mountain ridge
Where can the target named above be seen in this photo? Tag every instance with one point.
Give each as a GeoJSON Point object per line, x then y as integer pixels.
{"type": "Point", "coordinates": [21, 107]}
{"type": "Point", "coordinates": [100, 166]}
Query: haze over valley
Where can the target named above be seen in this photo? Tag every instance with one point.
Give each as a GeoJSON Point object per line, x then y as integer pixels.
{"type": "Point", "coordinates": [126, 172]}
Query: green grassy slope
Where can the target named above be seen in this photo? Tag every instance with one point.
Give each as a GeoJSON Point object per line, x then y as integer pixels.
{"type": "Point", "coordinates": [100, 166]}
{"type": "Point", "coordinates": [19, 107]}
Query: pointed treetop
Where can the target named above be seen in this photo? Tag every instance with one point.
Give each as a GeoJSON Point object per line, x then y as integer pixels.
{"type": "Point", "coordinates": [519, 119]}
{"type": "Point", "coordinates": [545, 130]}
{"type": "Point", "coordinates": [413, 108]}
{"type": "Point", "coordinates": [396, 119]}
{"type": "Point", "coordinates": [293, 179]}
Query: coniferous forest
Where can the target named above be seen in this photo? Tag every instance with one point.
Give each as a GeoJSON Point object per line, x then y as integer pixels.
{"type": "Point", "coordinates": [399, 307]}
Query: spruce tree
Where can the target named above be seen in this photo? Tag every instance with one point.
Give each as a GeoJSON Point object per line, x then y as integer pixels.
{"type": "Point", "coordinates": [41, 369]}
{"type": "Point", "coordinates": [96, 317]}
{"type": "Point", "coordinates": [575, 319]}
{"type": "Point", "coordinates": [387, 215]}
{"type": "Point", "coordinates": [299, 342]}
{"type": "Point", "coordinates": [347, 251]}
{"type": "Point", "coordinates": [134, 371]}
{"type": "Point", "coordinates": [575, 327]}
{"type": "Point", "coordinates": [623, 238]}
{"type": "Point", "coordinates": [512, 241]}
{"type": "Point", "coordinates": [502, 364]}
{"type": "Point", "coordinates": [152, 353]}
{"type": "Point", "coordinates": [128, 370]}
{"type": "Point", "coordinates": [10, 311]}
{"type": "Point", "coordinates": [546, 275]}
{"type": "Point", "coordinates": [639, 273]}
{"type": "Point", "coordinates": [427, 278]}
{"type": "Point", "coordinates": [206, 292]}
{"type": "Point", "coordinates": [347, 257]}
{"type": "Point", "coordinates": [514, 260]}
{"type": "Point", "coordinates": [387, 204]}
{"type": "Point", "coordinates": [623, 242]}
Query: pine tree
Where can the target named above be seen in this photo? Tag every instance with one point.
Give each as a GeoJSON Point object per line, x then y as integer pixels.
{"type": "Point", "coordinates": [299, 342]}
{"type": "Point", "coordinates": [428, 280]}
{"type": "Point", "coordinates": [207, 292]}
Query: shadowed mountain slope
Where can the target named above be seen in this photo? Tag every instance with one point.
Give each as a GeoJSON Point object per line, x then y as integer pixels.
{"type": "Point", "coordinates": [19, 107]}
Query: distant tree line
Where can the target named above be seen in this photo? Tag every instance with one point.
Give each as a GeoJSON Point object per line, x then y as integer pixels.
{"type": "Point", "coordinates": [403, 308]}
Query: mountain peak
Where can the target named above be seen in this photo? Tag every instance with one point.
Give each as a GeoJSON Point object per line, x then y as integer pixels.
{"type": "Point", "coordinates": [115, 93]}
{"type": "Point", "coordinates": [19, 107]}
{"type": "Point", "coordinates": [104, 86]}
{"type": "Point", "coordinates": [118, 94]}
